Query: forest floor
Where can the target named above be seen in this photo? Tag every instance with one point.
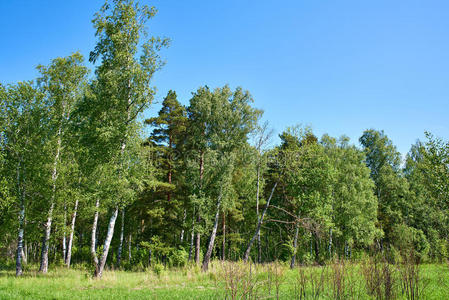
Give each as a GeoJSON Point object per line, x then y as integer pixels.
{"type": "Point", "coordinates": [227, 281]}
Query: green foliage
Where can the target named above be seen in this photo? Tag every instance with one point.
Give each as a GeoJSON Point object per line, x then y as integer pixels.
{"type": "Point", "coordinates": [409, 238]}
{"type": "Point", "coordinates": [158, 269]}
{"type": "Point", "coordinates": [178, 257]}
{"type": "Point", "coordinates": [205, 170]}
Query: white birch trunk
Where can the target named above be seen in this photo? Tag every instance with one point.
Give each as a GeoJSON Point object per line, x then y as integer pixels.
{"type": "Point", "coordinates": [20, 254]}
{"type": "Point", "coordinates": [192, 237]}
{"type": "Point", "coordinates": [119, 252]}
{"type": "Point", "coordinates": [259, 224]}
{"type": "Point", "coordinates": [259, 249]}
{"type": "Point", "coordinates": [72, 230]}
{"type": "Point", "coordinates": [44, 253]}
{"type": "Point", "coordinates": [129, 249]}
{"type": "Point", "coordinates": [19, 269]}
{"type": "Point", "coordinates": [212, 237]}
{"type": "Point", "coordinates": [94, 237]}
{"type": "Point", "coordinates": [295, 246]}
{"type": "Point", "coordinates": [64, 239]}
{"type": "Point", "coordinates": [183, 223]}
{"type": "Point", "coordinates": [107, 243]}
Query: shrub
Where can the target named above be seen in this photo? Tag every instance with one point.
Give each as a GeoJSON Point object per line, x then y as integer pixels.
{"type": "Point", "coordinates": [158, 269]}
{"type": "Point", "coordinates": [405, 238]}
{"type": "Point", "coordinates": [178, 257]}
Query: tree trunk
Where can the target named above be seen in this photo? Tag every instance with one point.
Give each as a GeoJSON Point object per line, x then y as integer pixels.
{"type": "Point", "coordinates": [192, 237]}
{"type": "Point", "coordinates": [107, 243]}
{"type": "Point", "coordinates": [346, 249]}
{"type": "Point", "coordinates": [197, 247]}
{"type": "Point", "coordinates": [169, 175]}
{"type": "Point", "coordinates": [24, 253]}
{"type": "Point", "coordinates": [119, 252]}
{"type": "Point", "coordinates": [20, 239]}
{"type": "Point", "coordinates": [93, 244]}
{"type": "Point", "coordinates": [64, 239]}
{"type": "Point", "coordinates": [259, 224]}
{"type": "Point", "coordinates": [72, 230]}
{"type": "Point", "coordinates": [44, 254]}
{"type": "Point", "coordinates": [212, 237]}
{"type": "Point", "coordinates": [46, 239]}
{"type": "Point", "coordinates": [330, 243]}
{"type": "Point", "coordinates": [183, 225]}
{"type": "Point", "coordinates": [129, 248]}
{"type": "Point", "coordinates": [259, 249]}
{"type": "Point", "coordinates": [21, 194]}
{"type": "Point", "coordinates": [223, 247]}
{"type": "Point", "coordinates": [198, 235]}
{"type": "Point", "coordinates": [295, 246]}
{"type": "Point", "coordinates": [317, 248]}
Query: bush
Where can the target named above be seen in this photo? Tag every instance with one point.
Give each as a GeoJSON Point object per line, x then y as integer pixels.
{"type": "Point", "coordinates": [178, 257]}
{"type": "Point", "coordinates": [407, 238]}
{"type": "Point", "coordinates": [158, 269]}
{"type": "Point", "coordinates": [307, 258]}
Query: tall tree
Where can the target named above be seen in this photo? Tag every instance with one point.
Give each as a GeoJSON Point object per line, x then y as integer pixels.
{"type": "Point", "coordinates": [427, 172]}
{"type": "Point", "coordinates": [221, 121]}
{"type": "Point", "coordinates": [123, 88]}
{"type": "Point", "coordinates": [391, 188]}
{"type": "Point", "coordinates": [168, 133]}
{"type": "Point", "coordinates": [24, 116]}
{"type": "Point", "coordinates": [62, 82]}
{"type": "Point", "coordinates": [354, 206]}
{"type": "Point", "coordinates": [261, 138]}
{"type": "Point", "coordinates": [308, 181]}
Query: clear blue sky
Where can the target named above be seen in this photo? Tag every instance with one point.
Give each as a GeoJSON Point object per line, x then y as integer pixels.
{"type": "Point", "coordinates": [339, 66]}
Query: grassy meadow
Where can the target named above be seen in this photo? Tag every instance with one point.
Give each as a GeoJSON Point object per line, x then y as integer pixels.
{"type": "Point", "coordinates": [340, 280]}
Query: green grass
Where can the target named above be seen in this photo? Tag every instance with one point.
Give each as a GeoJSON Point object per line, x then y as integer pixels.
{"type": "Point", "coordinates": [191, 283]}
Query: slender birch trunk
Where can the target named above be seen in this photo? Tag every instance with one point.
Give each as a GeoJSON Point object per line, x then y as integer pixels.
{"type": "Point", "coordinates": [223, 246]}
{"type": "Point", "coordinates": [183, 224]}
{"type": "Point", "coordinates": [259, 224]}
{"type": "Point", "coordinates": [119, 252]}
{"type": "Point", "coordinates": [213, 234]}
{"type": "Point", "coordinates": [295, 246]}
{"type": "Point", "coordinates": [45, 241]}
{"type": "Point", "coordinates": [72, 230]}
{"type": "Point", "coordinates": [197, 247]}
{"type": "Point", "coordinates": [259, 250]}
{"type": "Point", "coordinates": [93, 243]}
{"type": "Point", "coordinates": [330, 243]}
{"type": "Point", "coordinates": [107, 243]}
{"type": "Point", "coordinates": [129, 248]}
{"type": "Point", "coordinates": [198, 235]}
{"type": "Point", "coordinates": [64, 239]}
{"type": "Point", "coordinates": [19, 269]}
{"type": "Point", "coordinates": [192, 237]}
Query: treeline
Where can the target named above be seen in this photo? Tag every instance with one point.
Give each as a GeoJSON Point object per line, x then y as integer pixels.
{"type": "Point", "coordinates": [205, 184]}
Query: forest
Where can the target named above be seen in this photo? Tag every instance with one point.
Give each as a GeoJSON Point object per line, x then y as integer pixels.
{"type": "Point", "coordinates": [83, 185]}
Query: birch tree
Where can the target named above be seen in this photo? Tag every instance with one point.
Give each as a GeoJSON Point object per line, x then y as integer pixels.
{"type": "Point", "coordinates": [24, 125]}
{"type": "Point", "coordinates": [128, 60]}
{"type": "Point", "coordinates": [221, 120]}
{"type": "Point", "coordinates": [62, 82]}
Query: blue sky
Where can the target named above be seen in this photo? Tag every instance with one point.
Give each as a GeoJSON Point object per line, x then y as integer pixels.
{"type": "Point", "coordinates": [339, 66]}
